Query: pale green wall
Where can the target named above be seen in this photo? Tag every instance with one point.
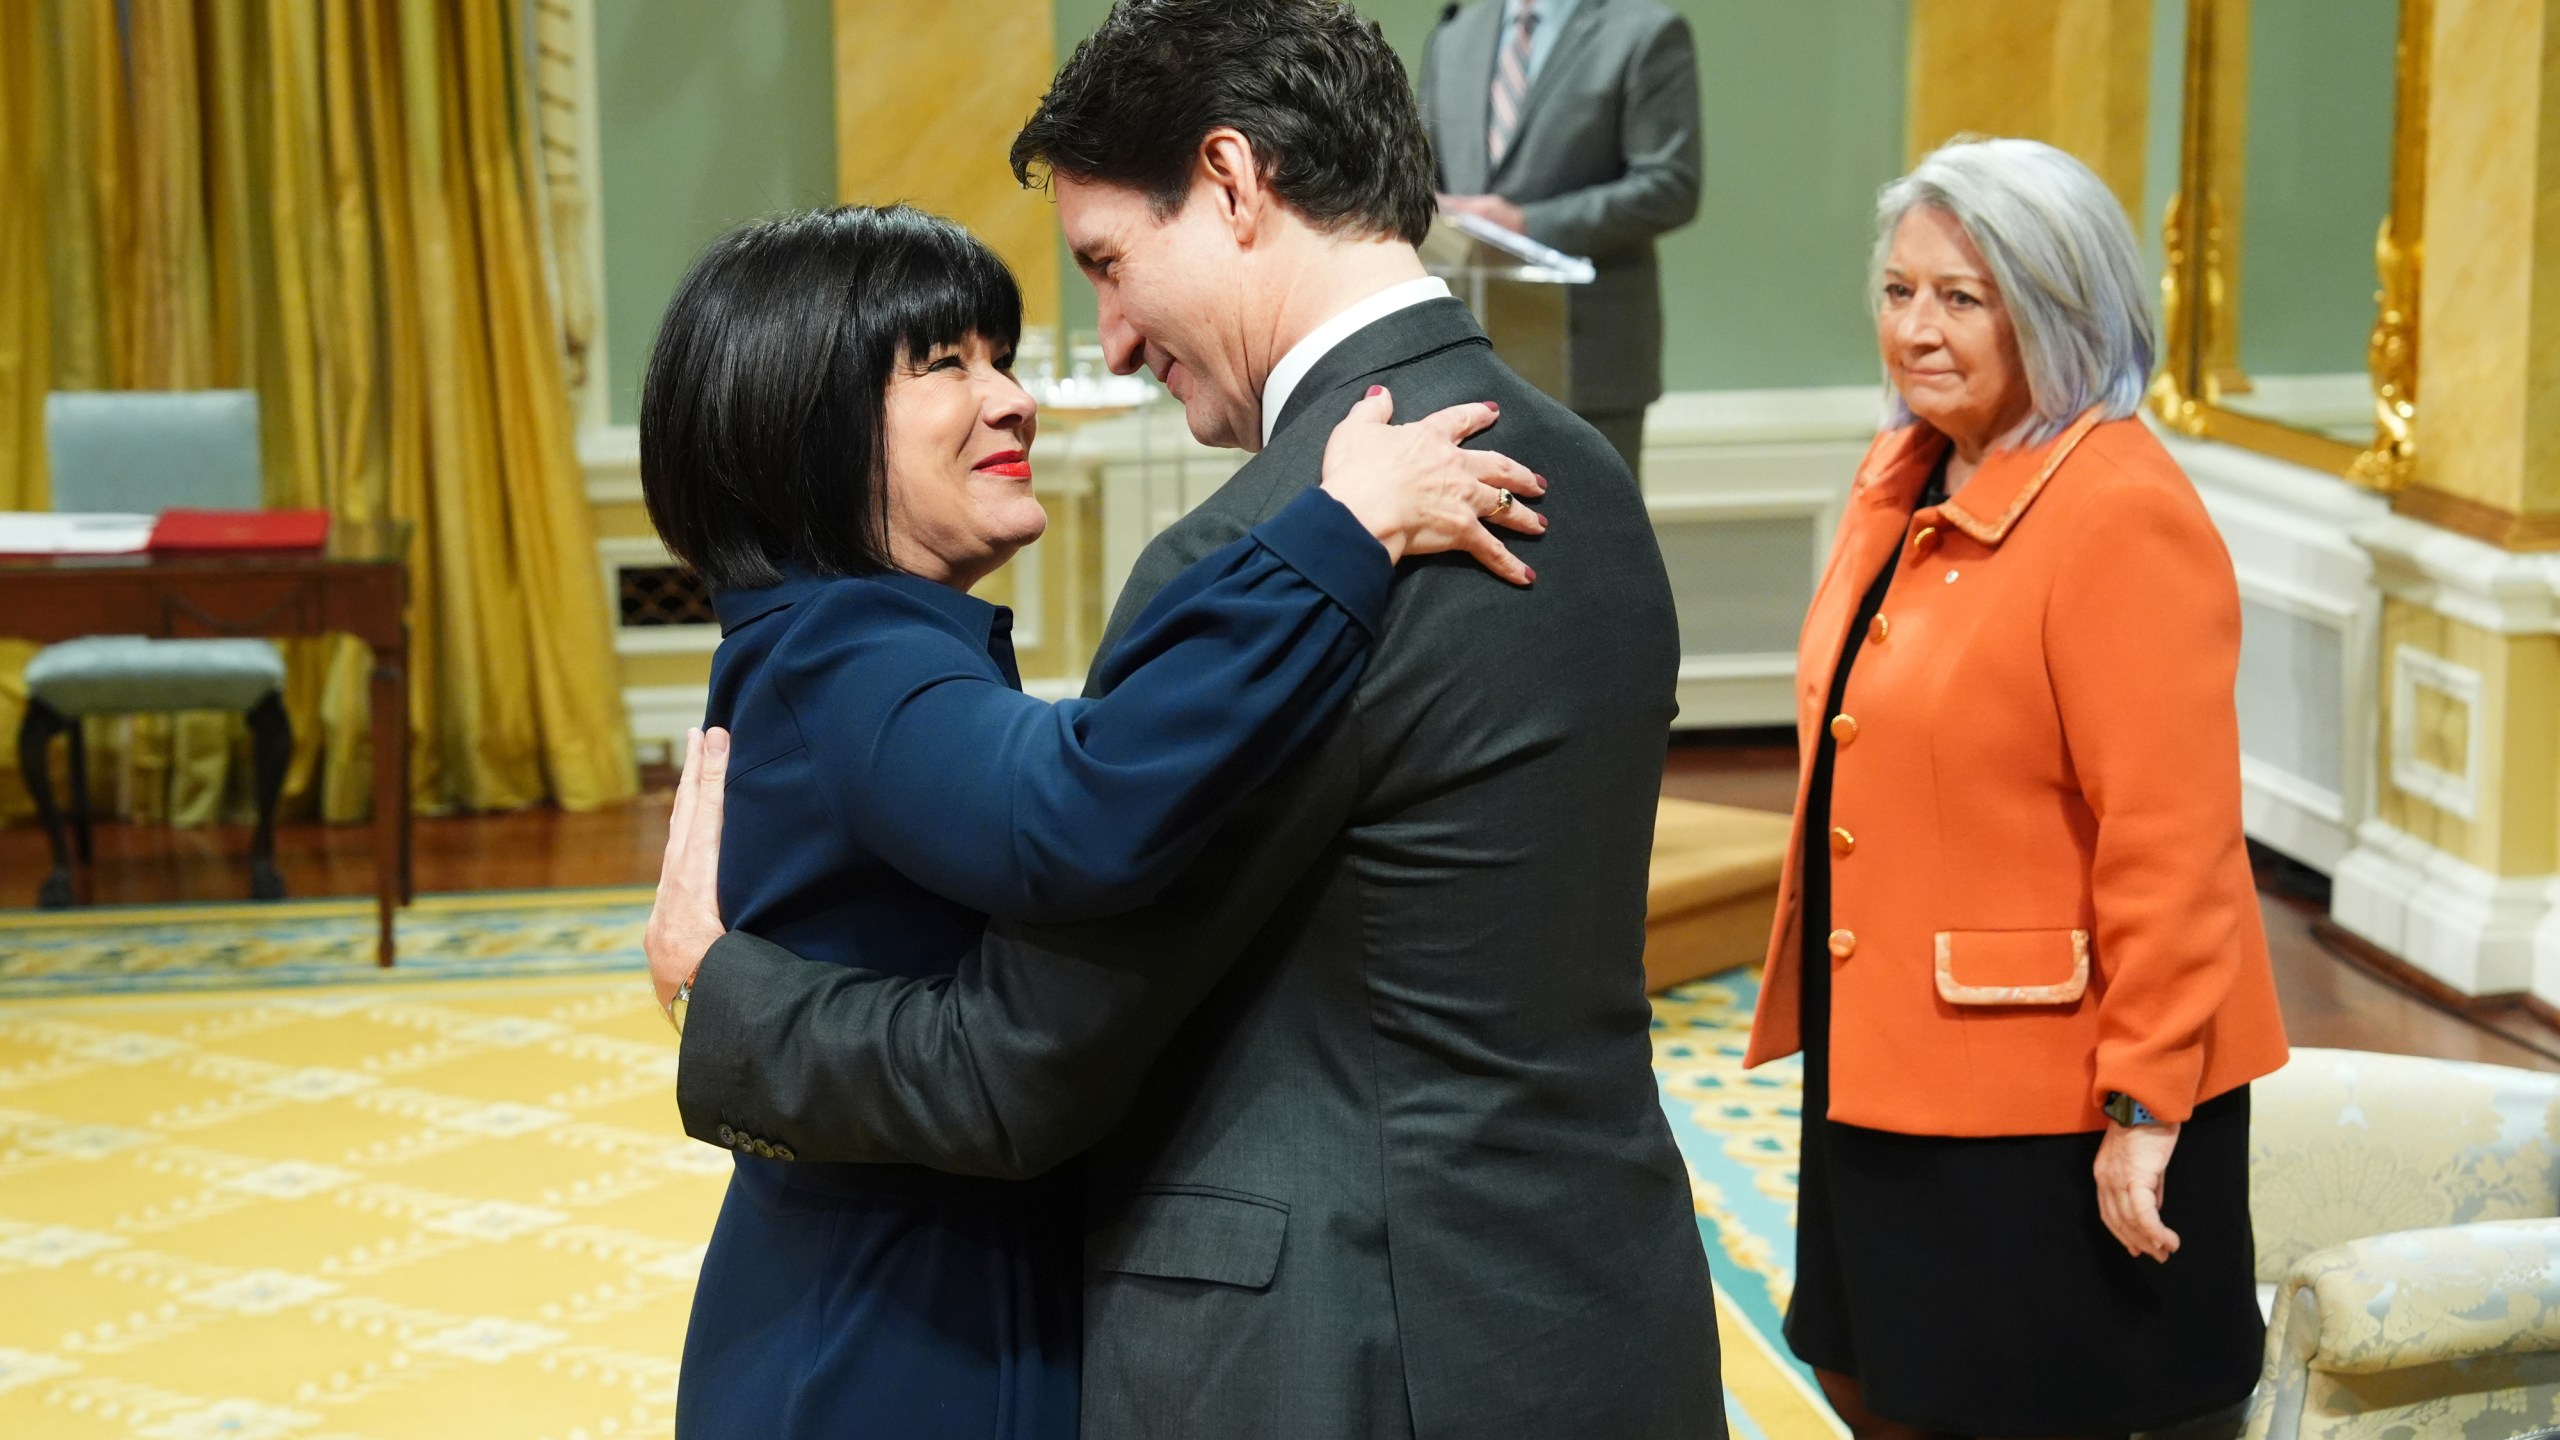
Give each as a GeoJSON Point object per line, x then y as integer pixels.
{"type": "Point", "coordinates": [2164, 133]}
{"type": "Point", "coordinates": [2318, 182]}
{"type": "Point", "coordinates": [1803, 116]}
{"type": "Point", "coordinates": [1803, 103]}
{"type": "Point", "coordinates": [709, 115]}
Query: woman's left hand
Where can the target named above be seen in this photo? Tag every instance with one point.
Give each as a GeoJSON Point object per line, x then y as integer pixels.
{"type": "Point", "coordinates": [2133, 1183]}
{"type": "Point", "coordinates": [685, 917]}
{"type": "Point", "coordinates": [1421, 492]}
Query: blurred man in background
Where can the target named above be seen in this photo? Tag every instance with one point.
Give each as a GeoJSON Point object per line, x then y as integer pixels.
{"type": "Point", "coordinates": [1575, 123]}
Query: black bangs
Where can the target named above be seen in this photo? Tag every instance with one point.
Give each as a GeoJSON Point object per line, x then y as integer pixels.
{"type": "Point", "coordinates": [941, 292]}
{"type": "Point", "coordinates": [763, 433]}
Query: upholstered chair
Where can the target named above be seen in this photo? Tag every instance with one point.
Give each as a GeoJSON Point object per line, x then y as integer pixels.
{"type": "Point", "coordinates": [2404, 1213]}
{"type": "Point", "coordinates": [141, 452]}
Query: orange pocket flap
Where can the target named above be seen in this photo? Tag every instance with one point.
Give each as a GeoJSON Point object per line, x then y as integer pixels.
{"type": "Point", "coordinates": [2013, 967]}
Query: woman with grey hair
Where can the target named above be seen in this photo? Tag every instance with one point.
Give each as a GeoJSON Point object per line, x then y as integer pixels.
{"type": "Point", "coordinates": [2018, 942]}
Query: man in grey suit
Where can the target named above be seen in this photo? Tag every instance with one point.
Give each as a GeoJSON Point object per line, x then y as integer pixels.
{"type": "Point", "coordinates": [1364, 1103]}
{"type": "Point", "coordinates": [1575, 123]}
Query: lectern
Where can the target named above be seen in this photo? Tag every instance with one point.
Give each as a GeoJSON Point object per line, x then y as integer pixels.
{"type": "Point", "coordinates": [1521, 293]}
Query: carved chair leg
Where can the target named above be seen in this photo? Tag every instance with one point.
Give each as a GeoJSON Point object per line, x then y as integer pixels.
{"type": "Point", "coordinates": [84, 845]}
{"type": "Point", "coordinates": [271, 744]}
{"type": "Point", "coordinates": [35, 742]}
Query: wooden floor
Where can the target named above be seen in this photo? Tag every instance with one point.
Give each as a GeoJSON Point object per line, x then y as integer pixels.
{"type": "Point", "coordinates": [2328, 1000]}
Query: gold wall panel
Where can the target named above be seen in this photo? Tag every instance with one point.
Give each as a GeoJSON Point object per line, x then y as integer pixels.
{"type": "Point", "coordinates": [2516, 769]}
{"type": "Point", "coordinates": [679, 668]}
{"type": "Point", "coordinates": [622, 520]}
{"type": "Point", "coordinates": [2444, 732]}
{"type": "Point", "coordinates": [928, 98]}
{"type": "Point", "coordinates": [2072, 73]}
{"type": "Point", "coordinates": [2476, 304]}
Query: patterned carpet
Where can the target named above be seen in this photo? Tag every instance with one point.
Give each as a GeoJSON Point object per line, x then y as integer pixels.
{"type": "Point", "coordinates": [251, 1187]}
{"type": "Point", "coordinates": [317, 942]}
{"type": "Point", "coordinates": [1738, 1133]}
{"type": "Point", "coordinates": [386, 1211]}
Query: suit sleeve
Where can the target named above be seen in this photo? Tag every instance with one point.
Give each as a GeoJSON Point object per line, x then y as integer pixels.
{"type": "Point", "coordinates": [2142, 640]}
{"type": "Point", "coordinates": [1659, 124]}
{"type": "Point", "coordinates": [1030, 810]}
{"type": "Point", "coordinates": [1027, 1055]}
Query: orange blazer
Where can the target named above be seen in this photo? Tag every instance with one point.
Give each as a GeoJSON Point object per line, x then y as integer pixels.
{"type": "Point", "coordinates": [2040, 891]}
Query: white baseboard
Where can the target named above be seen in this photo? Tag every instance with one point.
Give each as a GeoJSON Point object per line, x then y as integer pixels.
{"type": "Point", "coordinates": [1745, 488]}
{"type": "Point", "coordinates": [660, 714]}
{"type": "Point", "coordinates": [610, 456]}
{"type": "Point", "coordinates": [2475, 931]}
{"type": "Point", "coordinates": [2310, 613]}
{"type": "Point", "coordinates": [2293, 818]}
{"type": "Point", "coordinates": [2546, 949]}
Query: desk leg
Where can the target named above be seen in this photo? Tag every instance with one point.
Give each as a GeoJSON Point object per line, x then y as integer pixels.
{"type": "Point", "coordinates": [407, 808]}
{"type": "Point", "coordinates": [390, 790]}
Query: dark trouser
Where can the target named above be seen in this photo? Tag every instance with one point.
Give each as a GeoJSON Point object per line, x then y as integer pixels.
{"type": "Point", "coordinates": [1624, 430]}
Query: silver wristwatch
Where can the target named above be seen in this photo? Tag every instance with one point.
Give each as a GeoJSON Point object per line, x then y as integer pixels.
{"type": "Point", "coordinates": [677, 1004]}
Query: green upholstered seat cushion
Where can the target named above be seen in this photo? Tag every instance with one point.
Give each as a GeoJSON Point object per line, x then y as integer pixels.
{"type": "Point", "coordinates": [126, 674]}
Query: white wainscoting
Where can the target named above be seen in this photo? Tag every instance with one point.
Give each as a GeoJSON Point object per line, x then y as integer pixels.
{"type": "Point", "coordinates": [610, 457]}
{"type": "Point", "coordinates": [2478, 932]}
{"type": "Point", "coordinates": [658, 714]}
{"type": "Point", "coordinates": [2310, 620]}
{"type": "Point", "coordinates": [1744, 487]}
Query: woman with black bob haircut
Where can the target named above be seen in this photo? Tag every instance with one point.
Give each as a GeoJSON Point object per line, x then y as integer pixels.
{"type": "Point", "coordinates": [831, 435]}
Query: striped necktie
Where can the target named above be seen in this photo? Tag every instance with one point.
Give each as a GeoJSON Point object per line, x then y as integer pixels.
{"type": "Point", "coordinates": [1511, 84]}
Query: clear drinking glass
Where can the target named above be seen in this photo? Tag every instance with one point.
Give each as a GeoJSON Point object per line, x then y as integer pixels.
{"type": "Point", "coordinates": [1085, 364]}
{"type": "Point", "coordinates": [1035, 361]}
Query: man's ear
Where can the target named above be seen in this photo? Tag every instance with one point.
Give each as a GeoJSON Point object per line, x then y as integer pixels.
{"type": "Point", "coordinates": [1234, 181]}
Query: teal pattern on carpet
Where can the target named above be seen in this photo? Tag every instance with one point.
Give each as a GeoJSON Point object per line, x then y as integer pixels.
{"type": "Point", "coordinates": [1739, 1133]}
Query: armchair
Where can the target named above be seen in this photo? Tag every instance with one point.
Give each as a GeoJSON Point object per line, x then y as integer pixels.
{"type": "Point", "coordinates": [2405, 1222]}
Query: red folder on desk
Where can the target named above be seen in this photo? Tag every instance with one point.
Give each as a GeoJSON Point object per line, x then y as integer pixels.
{"type": "Point", "coordinates": [206, 531]}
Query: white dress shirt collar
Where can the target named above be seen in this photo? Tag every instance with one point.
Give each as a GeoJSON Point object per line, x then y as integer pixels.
{"type": "Point", "coordinates": [1319, 342]}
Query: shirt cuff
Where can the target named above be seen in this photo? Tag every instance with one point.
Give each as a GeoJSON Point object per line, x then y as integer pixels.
{"type": "Point", "coordinates": [1317, 536]}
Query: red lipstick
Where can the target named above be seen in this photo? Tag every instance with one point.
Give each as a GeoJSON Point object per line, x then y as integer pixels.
{"type": "Point", "coordinates": [1009, 464]}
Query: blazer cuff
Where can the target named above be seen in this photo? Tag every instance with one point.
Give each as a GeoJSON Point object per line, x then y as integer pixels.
{"type": "Point", "coordinates": [1318, 536]}
{"type": "Point", "coordinates": [2165, 1083]}
{"type": "Point", "coordinates": [712, 1058]}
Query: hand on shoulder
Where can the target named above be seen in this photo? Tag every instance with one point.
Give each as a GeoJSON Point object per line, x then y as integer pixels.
{"type": "Point", "coordinates": [1420, 491]}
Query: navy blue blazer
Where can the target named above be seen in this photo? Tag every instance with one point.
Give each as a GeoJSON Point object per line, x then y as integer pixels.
{"type": "Point", "coordinates": [890, 787]}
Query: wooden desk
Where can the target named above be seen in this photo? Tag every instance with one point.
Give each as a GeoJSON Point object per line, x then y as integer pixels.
{"type": "Point", "coordinates": [358, 586]}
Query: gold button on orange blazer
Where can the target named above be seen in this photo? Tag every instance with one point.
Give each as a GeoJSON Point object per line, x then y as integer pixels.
{"type": "Point", "coordinates": [2047, 896]}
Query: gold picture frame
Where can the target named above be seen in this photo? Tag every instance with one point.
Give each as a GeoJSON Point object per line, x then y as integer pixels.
{"type": "Point", "coordinates": [2197, 301]}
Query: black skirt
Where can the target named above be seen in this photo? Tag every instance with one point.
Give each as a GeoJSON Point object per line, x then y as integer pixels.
{"type": "Point", "coordinates": [1968, 1284]}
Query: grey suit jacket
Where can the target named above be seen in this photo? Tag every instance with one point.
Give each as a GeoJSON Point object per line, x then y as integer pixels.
{"type": "Point", "coordinates": [1608, 156]}
{"type": "Point", "coordinates": [1372, 1142]}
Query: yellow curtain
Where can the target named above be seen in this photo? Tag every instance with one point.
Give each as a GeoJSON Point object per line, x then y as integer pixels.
{"type": "Point", "coordinates": [26, 327]}
{"type": "Point", "coordinates": [326, 201]}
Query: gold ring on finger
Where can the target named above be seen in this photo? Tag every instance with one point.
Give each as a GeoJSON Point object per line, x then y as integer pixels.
{"type": "Point", "coordinates": [1504, 503]}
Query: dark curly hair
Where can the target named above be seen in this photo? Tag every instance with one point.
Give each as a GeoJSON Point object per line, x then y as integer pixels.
{"type": "Point", "coordinates": [1311, 84]}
